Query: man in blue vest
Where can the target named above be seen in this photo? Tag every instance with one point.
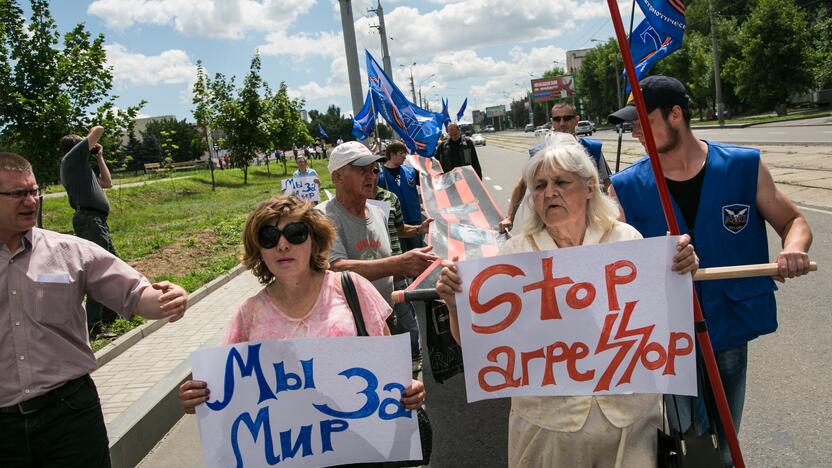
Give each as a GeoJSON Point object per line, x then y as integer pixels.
{"type": "Point", "coordinates": [564, 119]}
{"type": "Point", "coordinates": [722, 195]}
{"type": "Point", "coordinates": [402, 180]}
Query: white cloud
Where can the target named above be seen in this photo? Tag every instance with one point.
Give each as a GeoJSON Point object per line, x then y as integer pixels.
{"type": "Point", "coordinates": [329, 44]}
{"type": "Point", "coordinates": [170, 67]}
{"type": "Point", "coordinates": [230, 19]}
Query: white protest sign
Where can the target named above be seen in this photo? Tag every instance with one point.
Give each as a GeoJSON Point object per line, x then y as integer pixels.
{"type": "Point", "coordinates": [595, 320]}
{"type": "Point", "coordinates": [384, 205]}
{"type": "Point", "coordinates": [307, 402]}
{"type": "Point", "coordinates": [303, 187]}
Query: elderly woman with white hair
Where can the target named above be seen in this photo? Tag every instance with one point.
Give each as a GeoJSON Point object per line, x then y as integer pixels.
{"type": "Point", "coordinates": [569, 209]}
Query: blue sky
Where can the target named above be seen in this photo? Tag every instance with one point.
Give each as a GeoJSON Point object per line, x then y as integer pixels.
{"type": "Point", "coordinates": [484, 50]}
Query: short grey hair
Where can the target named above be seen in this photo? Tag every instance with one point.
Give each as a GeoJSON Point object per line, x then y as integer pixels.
{"type": "Point", "coordinates": [564, 152]}
{"type": "Point", "coordinates": [11, 162]}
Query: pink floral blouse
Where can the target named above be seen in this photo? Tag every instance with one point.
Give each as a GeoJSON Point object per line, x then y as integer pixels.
{"type": "Point", "coordinates": [258, 319]}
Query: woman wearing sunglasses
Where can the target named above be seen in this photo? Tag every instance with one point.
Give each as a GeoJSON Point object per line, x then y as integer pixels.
{"type": "Point", "coordinates": [287, 244]}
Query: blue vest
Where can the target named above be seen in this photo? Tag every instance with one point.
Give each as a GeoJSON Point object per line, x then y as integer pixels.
{"type": "Point", "coordinates": [593, 147]}
{"type": "Point", "coordinates": [405, 190]}
{"type": "Point", "coordinates": [728, 231]}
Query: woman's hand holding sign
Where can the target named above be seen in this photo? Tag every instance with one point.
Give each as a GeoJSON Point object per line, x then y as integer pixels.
{"type": "Point", "coordinates": [193, 393]}
{"type": "Point", "coordinates": [414, 395]}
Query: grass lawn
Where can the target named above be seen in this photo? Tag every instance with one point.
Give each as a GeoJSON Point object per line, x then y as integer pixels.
{"type": "Point", "coordinates": [180, 230]}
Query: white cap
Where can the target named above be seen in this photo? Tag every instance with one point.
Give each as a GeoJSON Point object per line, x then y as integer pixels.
{"type": "Point", "coordinates": [352, 153]}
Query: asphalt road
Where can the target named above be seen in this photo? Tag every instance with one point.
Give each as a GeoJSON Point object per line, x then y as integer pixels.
{"type": "Point", "coordinates": [814, 131]}
{"type": "Point", "coordinates": [788, 406]}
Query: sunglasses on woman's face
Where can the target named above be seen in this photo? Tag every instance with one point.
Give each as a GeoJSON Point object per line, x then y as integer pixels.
{"type": "Point", "coordinates": [296, 233]}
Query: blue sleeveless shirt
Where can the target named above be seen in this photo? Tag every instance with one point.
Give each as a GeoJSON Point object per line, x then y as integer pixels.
{"type": "Point", "coordinates": [405, 189]}
{"type": "Point", "coordinates": [728, 231]}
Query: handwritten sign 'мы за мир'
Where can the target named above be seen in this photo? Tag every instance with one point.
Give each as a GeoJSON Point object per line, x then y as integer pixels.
{"type": "Point", "coordinates": [594, 320]}
{"type": "Point", "coordinates": [307, 402]}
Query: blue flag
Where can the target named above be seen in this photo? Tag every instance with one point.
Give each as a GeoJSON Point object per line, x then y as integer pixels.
{"type": "Point", "coordinates": [657, 36]}
{"type": "Point", "coordinates": [446, 117]}
{"type": "Point", "coordinates": [648, 46]}
{"type": "Point", "coordinates": [666, 16]}
{"type": "Point", "coordinates": [364, 123]}
{"type": "Point", "coordinates": [321, 131]}
{"type": "Point", "coordinates": [416, 127]}
{"type": "Point", "coordinates": [461, 110]}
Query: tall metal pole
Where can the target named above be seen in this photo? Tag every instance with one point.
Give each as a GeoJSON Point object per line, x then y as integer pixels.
{"type": "Point", "coordinates": [412, 86]}
{"type": "Point", "coordinates": [673, 226]}
{"type": "Point", "coordinates": [348, 27]}
{"type": "Point", "coordinates": [382, 31]}
{"type": "Point", "coordinates": [717, 79]}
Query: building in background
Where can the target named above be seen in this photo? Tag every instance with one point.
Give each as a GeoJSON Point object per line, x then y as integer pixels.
{"type": "Point", "coordinates": [574, 59]}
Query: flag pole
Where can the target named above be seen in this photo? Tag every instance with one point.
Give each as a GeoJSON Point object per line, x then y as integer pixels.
{"type": "Point", "coordinates": [620, 91]}
{"type": "Point", "coordinates": [375, 129]}
{"type": "Point", "coordinates": [670, 216]}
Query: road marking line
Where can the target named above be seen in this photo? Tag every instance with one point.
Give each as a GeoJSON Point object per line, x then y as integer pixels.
{"type": "Point", "coordinates": [777, 133]}
{"type": "Point", "coordinates": [816, 210]}
{"type": "Point", "coordinates": [827, 131]}
{"type": "Point", "coordinates": [486, 178]}
{"type": "Point", "coordinates": [497, 187]}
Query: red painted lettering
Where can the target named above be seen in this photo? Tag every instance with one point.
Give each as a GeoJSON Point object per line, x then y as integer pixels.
{"type": "Point", "coordinates": [674, 350]}
{"type": "Point", "coordinates": [548, 300]}
{"type": "Point", "coordinates": [614, 279]}
{"type": "Point", "coordinates": [511, 298]}
{"type": "Point", "coordinates": [574, 301]}
{"type": "Point", "coordinates": [507, 374]}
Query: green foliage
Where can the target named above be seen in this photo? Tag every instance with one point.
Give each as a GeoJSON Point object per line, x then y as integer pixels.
{"type": "Point", "coordinates": [281, 121]}
{"type": "Point", "coordinates": [556, 71]}
{"type": "Point", "coordinates": [822, 53]}
{"type": "Point", "coordinates": [333, 123]}
{"type": "Point", "coordinates": [170, 138]}
{"type": "Point", "coordinates": [52, 86]}
{"type": "Point", "coordinates": [597, 78]}
{"type": "Point", "coordinates": [775, 56]}
{"type": "Point", "coordinates": [693, 65]}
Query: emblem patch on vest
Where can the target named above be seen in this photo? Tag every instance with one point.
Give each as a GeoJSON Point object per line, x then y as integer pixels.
{"type": "Point", "coordinates": [735, 217]}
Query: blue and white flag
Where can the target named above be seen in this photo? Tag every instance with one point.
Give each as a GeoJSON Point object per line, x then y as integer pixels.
{"type": "Point", "coordinates": [657, 36]}
{"type": "Point", "coordinates": [666, 16]}
{"type": "Point", "coordinates": [461, 110]}
{"type": "Point", "coordinates": [321, 131]}
{"type": "Point", "coordinates": [364, 123]}
{"type": "Point", "coordinates": [446, 117]}
{"type": "Point", "coordinates": [417, 128]}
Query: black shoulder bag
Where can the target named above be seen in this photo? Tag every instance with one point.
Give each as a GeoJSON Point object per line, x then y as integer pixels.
{"type": "Point", "coordinates": [425, 431]}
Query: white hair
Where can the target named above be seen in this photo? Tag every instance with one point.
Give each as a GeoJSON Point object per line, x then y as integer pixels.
{"type": "Point", "coordinates": [564, 152]}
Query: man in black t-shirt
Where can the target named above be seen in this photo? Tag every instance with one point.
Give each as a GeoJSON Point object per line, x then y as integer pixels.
{"type": "Point", "coordinates": [84, 188]}
{"type": "Point", "coordinates": [457, 151]}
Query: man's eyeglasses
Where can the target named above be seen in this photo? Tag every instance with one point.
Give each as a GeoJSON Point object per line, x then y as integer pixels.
{"type": "Point", "coordinates": [367, 169]}
{"type": "Point", "coordinates": [559, 118]}
{"type": "Point", "coordinates": [23, 194]}
{"type": "Point", "coordinates": [296, 233]}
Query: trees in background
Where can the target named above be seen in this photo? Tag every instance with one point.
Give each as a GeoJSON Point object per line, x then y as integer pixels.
{"type": "Point", "coordinates": [53, 85]}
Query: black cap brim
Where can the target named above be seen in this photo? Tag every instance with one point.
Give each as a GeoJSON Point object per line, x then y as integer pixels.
{"type": "Point", "coordinates": [625, 114]}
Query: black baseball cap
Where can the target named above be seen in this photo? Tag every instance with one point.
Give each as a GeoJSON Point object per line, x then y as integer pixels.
{"type": "Point", "coordinates": [659, 92]}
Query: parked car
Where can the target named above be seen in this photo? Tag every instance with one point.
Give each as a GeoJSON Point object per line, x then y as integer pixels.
{"type": "Point", "coordinates": [478, 139]}
{"type": "Point", "coordinates": [626, 127]}
{"type": "Point", "coordinates": [541, 131]}
{"type": "Point", "coordinates": [529, 128]}
{"type": "Point", "coordinates": [489, 129]}
{"type": "Point", "coordinates": [584, 127]}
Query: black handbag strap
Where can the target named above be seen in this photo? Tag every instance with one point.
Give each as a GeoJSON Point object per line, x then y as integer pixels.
{"type": "Point", "coordinates": [352, 300]}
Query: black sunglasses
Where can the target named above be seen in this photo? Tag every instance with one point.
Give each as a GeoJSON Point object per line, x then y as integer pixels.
{"type": "Point", "coordinates": [558, 118]}
{"type": "Point", "coordinates": [295, 233]}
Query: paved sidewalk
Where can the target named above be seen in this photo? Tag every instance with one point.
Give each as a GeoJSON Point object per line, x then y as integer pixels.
{"type": "Point", "coordinates": [122, 381]}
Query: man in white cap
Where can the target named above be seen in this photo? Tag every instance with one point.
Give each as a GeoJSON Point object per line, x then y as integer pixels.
{"type": "Point", "coordinates": [363, 243]}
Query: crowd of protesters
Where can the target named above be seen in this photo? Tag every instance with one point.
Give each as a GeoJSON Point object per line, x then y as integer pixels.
{"type": "Point", "coordinates": [297, 251]}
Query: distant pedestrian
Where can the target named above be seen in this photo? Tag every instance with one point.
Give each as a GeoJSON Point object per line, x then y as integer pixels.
{"type": "Point", "coordinates": [84, 186]}
{"type": "Point", "coordinates": [403, 180]}
{"type": "Point", "coordinates": [457, 151]}
{"type": "Point", "coordinates": [50, 414]}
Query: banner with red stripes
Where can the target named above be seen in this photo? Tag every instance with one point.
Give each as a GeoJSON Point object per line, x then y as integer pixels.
{"type": "Point", "coordinates": [465, 216]}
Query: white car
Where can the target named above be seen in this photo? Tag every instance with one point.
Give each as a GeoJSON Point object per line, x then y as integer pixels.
{"type": "Point", "coordinates": [478, 139]}
{"type": "Point", "coordinates": [584, 127]}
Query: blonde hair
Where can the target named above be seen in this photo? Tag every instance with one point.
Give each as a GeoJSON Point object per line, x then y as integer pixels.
{"type": "Point", "coordinates": [564, 152]}
{"type": "Point", "coordinates": [320, 228]}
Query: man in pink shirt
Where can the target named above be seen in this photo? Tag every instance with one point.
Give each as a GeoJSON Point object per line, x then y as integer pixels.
{"type": "Point", "coordinates": [49, 409]}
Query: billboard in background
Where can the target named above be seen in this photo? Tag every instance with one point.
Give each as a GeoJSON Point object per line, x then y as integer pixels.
{"type": "Point", "coordinates": [549, 89]}
{"type": "Point", "coordinates": [495, 111]}
{"type": "Point", "coordinates": [477, 116]}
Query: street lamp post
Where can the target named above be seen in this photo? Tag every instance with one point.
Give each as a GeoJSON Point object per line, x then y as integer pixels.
{"type": "Point", "coordinates": [420, 87]}
{"type": "Point", "coordinates": [412, 86]}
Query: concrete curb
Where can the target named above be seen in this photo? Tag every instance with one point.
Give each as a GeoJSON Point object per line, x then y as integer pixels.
{"type": "Point", "coordinates": [124, 342]}
{"type": "Point", "coordinates": [138, 429]}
